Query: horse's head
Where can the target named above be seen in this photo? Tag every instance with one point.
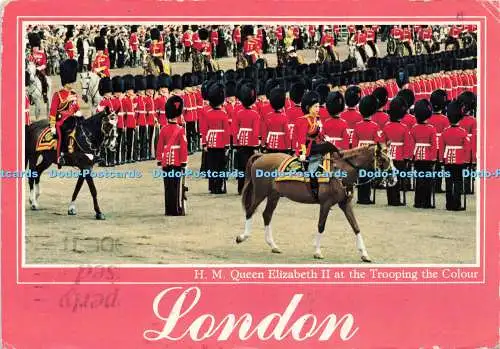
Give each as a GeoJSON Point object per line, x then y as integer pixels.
{"type": "Point", "coordinates": [383, 162]}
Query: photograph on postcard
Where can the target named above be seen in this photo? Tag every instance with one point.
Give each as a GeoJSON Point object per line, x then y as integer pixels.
{"type": "Point", "coordinates": [240, 143]}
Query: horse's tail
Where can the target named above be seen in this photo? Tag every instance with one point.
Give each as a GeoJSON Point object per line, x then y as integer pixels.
{"type": "Point", "coordinates": [247, 192]}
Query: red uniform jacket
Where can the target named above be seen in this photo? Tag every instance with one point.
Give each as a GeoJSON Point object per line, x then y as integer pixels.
{"type": "Point", "coordinates": [160, 109]}
{"type": "Point", "coordinates": [64, 104]}
{"type": "Point", "coordinates": [260, 37]}
{"type": "Point", "coordinates": [133, 42]}
{"type": "Point", "coordinates": [351, 29]}
{"type": "Point", "coordinates": [105, 102]}
{"type": "Point", "coordinates": [370, 34]}
{"type": "Point", "coordinates": [149, 105]}
{"type": "Point", "coordinates": [275, 131]}
{"type": "Point", "coordinates": [27, 119]}
{"type": "Point", "coordinates": [399, 137]}
{"type": "Point", "coordinates": [202, 117]}
{"type": "Point", "coordinates": [39, 58]}
{"type": "Point", "coordinates": [187, 39]}
{"type": "Point", "coordinates": [454, 32]}
{"type": "Point", "coordinates": [335, 132]}
{"type": "Point", "coordinates": [214, 37]}
{"type": "Point", "coordinates": [296, 32]}
{"type": "Point", "coordinates": [425, 34]}
{"type": "Point", "coordinates": [279, 33]}
{"type": "Point", "coordinates": [128, 111]}
{"type": "Point", "coordinates": [140, 110]}
{"type": "Point", "coordinates": [352, 117]}
{"type": "Point", "coordinates": [172, 145]}
{"type": "Point", "coordinates": [406, 34]}
{"type": "Point", "coordinates": [440, 122]}
{"type": "Point", "coordinates": [251, 47]}
{"type": "Point", "coordinates": [190, 107]}
{"type": "Point", "coordinates": [101, 65]}
{"type": "Point", "coordinates": [70, 49]}
{"type": "Point", "coordinates": [455, 146]}
{"type": "Point", "coordinates": [246, 128]}
{"type": "Point", "coordinates": [415, 87]}
{"type": "Point", "coordinates": [215, 129]}
{"type": "Point", "coordinates": [323, 114]}
{"type": "Point", "coordinates": [237, 35]}
{"type": "Point", "coordinates": [304, 127]}
{"type": "Point", "coordinates": [327, 39]}
{"type": "Point", "coordinates": [293, 113]}
{"type": "Point", "coordinates": [423, 142]}
{"type": "Point", "coordinates": [117, 107]}
{"type": "Point", "coordinates": [397, 33]}
{"type": "Point", "coordinates": [409, 121]}
{"type": "Point", "coordinates": [380, 118]}
{"type": "Point", "coordinates": [469, 124]}
{"type": "Point", "coordinates": [366, 132]}
{"type": "Point", "coordinates": [156, 49]}
{"type": "Point", "coordinates": [360, 38]}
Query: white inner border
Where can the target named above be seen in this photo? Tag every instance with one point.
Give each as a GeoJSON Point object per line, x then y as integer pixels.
{"type": "Point", "coordinates": [325, 20]}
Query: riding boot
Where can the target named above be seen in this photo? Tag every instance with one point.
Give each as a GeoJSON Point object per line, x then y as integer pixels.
{"type": "Point", "coordinates": [315, 188]}
{"type": "Point", "coordinates": [45, 86]}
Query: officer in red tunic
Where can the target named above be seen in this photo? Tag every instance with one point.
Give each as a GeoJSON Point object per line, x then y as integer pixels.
{"type": "Point", "coordinates": [398, 138]}
{"type": "Point", "coordinates": [164, 85]}
{"type": "Point", "coordinates": [409, 98]}
{"type": "Point", "coordinates": [151, 116]}
{"type": "Point", "coordinates": [455, 150]}
{"type": "Point", "coordinates": [39, 58]}
{"type": "Point", "coordinates": [351, 115]}
{"type": "Point", "coordinates": [380, 117]}
{"type": "Point", "coordinates": [468, 100]}
{"type": "Point", "coordinates": [366, 132]}
{"type": "Point", "coordinates": [172, 156]}
{"type": "Point", "coordinates": [69, 46]}
{"type": "Point", "coordinates": [101, 63]}
{"type": "Point", "coordinates": [407, 38]}
{"type": "Point", "coordinates": [335, 128]}
{"type": "Point", "coordinates": [214, 40]}
{"type": "Point", "coordinates": [141, 141]}
{"type": "Point", "coordinates": [216, 132]}
{"type": "Point", "coordinates": [294, 112]}
{"type": "Point", "coordinates": [64, 105]}
{"type": "Point", "coordinates": [423, 138]}
{"type": "Point", "coordinates": [128, 108]}
{"type": "Point", "coordinates": [440, 122]}
{"type": "Point", "coordinates": [134, 44]}
{"type": "Point", "coordinates": [425, 35]}
{"type": "Point", "coordinates": [327, 41]}
{"type": "Point", "coordinates": [276, 132]}
{"type": "Point", "coordinates": [245, 131]}
{"type": "Point", "coordinates": [251, 47]}
{"type": "Point", "coordinates": [157, 48]}
{"type": "Point", "coordinates": [190, 111]}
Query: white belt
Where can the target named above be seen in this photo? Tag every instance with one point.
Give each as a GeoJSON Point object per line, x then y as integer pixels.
{"type": "Point", "coordinates": [422, 145]}
{"type": "Point", "coordinates": [272, 134]}
{"type": "Point", "coordinates": [333, 138]}
{"type": "Point", "coordinates": [141, 112]}
{"type": "Point", "coordinates": [193, 108]}
{"type": "Point", "coordinates": [366, 142]}
{"type": "Point", "coordinates": [397, 144]}
{"type": "Point", "coordinates": [451, 147]}
{"type": "Point", "coordinates": [175, 147]}
{"type": "Point", "coordinates": [214, 131]}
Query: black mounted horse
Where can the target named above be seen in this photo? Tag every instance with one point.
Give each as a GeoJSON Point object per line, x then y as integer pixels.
{"type": "Point", "coordinates": [90, 134]}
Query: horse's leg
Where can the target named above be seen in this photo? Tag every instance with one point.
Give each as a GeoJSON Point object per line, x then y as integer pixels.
{"type": "Point", "coordinates": [346, 207]}
{"type": "Point", "coordinates": [252, 199]}
{"type": "Point", "coordinates": [93, 191]}
{"type": "Point", "coordinates": [272, 202]}
{"type": "Point", "coordinates": [323, 215]}
{"type": "Point", "coordinates": [72, 205]}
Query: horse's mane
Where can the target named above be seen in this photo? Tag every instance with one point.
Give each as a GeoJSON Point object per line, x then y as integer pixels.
{"type": "Point", "coordinates": [350, 153]}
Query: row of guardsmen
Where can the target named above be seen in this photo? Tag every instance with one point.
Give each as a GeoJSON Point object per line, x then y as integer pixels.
{"type": "Point", "coordinates": [422, 137]}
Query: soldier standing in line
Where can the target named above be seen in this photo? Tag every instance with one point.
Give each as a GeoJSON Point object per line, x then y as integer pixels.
{"type": "Point", "coordinates": [151, 119]}
{"type": "Point", "coordinates": [351, 115]}
{"type": "Point", "coordinates": [141, 141]}
{"type": "Point", "coordinates": [128, 107]}
{"type": "Point", "coordinates": [171, 154]}
{"type": "Point", "coordinates": [118, 89]}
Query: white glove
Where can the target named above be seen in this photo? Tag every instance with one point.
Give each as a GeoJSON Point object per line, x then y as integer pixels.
{"type": "Point", "coordinates": [78, 113]}
{"type": "Point", "coordinates": [53, 130]}
{"type": "Point", "coordinates": [302, 158]}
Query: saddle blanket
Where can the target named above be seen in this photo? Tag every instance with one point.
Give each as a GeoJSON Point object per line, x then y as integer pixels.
{"type": "Point", "coordinates": [46, 141]}
{"type": "Point", "coordinates": [292, 170]}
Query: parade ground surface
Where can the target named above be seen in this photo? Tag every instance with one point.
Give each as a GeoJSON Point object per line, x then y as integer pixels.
{"type": "Point", "coordinates": [137, 232]}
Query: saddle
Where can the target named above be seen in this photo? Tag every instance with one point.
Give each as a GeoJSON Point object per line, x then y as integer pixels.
{"type": "Point", "coordinates": [293, 169]}
{"type": "Point", "coordinates": [46, 141]}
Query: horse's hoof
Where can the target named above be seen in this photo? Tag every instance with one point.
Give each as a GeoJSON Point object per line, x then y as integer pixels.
{"type": "Point", "coordinates": [34, 207]}
{"type": "Point", "coordinates": [366, 259]}
{"type": "Point", "coordinates": [318, 256]}
{"type": "Point", "coordinates": [239, 239]}
{"type": "Point", "coordinates": [71, 212]}
{"type": "Point", "coordinates": [276, 250]}
{"type": "Point", "coordinates": [100, 217]}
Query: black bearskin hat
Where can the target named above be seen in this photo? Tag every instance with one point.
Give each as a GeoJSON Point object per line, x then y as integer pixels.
{"type": "Point", "coordinates": [151, 82]}
{"type": "Point", "coordinates": [105, 86]}
{"type": "Point", "coordinates": [335, 103]}
{"type": "Point", "coordinates": [297, 91]}
{"type": "Point", "coordinates": [187, 80]}
{"type": "Point", "coordinates": [422, 110]}
{"type": "Point", "coordinates": [129, 82]}
{"type": "Point", "coordinates": [99, 43]}
{"type": "Point", "coordinates": [155, 34]}
{"type": "Point", "coordinates": [164, 81]}
{"type": "Point", "coordinates": [380, 93]}
{"type": "Point", "coordinates": [323, 90]}
{"type": "Point", "coordinates": [270, 84]}
{"type": "Point", "coordinates": [277, 98]}
{"type": "Point", "coordinates": [204, 89]}
{"type": "Point", "coordinates": [308, 100]}
{"type": "Point", "coordinates": [117, 84]}
{"type": "Point", "coordinates": [352, 96]}
{"type": "Point", "coordinates": [368, 106]}
{"type": "Point", "coordinates": [216, 95]}
{"type": "Point", "coordinates": [455, 112]}
{"type": "Point", "coordinates": [246, 30]}
{"type": "Point", "coordinates": [140, 82]}
{"type": "Point", "coordinates": [133, 29]}
{"type": "Point", "coordinates": [176, 82]}
{"type": "Point", "coordinates": [34, 39]}
{"type": "Point", "coordinates": [468, 100]}
{"type": "Point", "coordinates": [203, 33]}
{"type": "Point", "coordinates": [397, 108]}
{"type": "Point", "coordinates": [408, 96]}
{"type": "Point", "coordinates": [230, 75]}
{"type": "Point", "coordinates": [68, 71]}
{"type": "Point", "coordinates": [230, 88]}
{"type": "Point", "coordinates": [103, 32]}
{"type": "Point", "coordinates": [247, 95]}
{"type": "Point", "coordinates": [173, 107]}
{"type": "Point", "coordinates": [438, 100]}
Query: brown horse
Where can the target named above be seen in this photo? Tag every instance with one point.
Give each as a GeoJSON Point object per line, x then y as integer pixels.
{"type": "Point", "coordinates": [337, 191]}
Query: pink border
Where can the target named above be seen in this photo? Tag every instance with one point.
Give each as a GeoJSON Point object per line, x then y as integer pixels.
{"type": "Point", "coordinates": [387, 316]}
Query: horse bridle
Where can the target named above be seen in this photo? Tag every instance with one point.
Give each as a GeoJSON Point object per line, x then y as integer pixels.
{"type": "Point", "coordinates": [87, 137]}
